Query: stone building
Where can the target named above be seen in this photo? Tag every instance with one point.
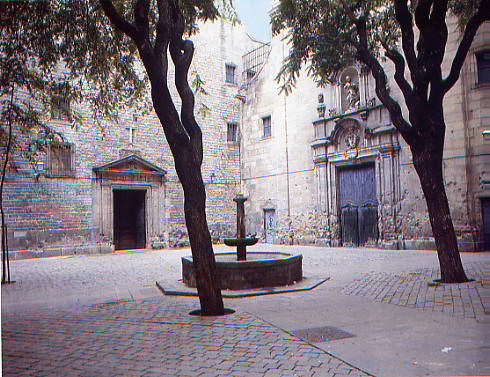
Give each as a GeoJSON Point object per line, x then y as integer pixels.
{"type": "Point", "coordinates": [326, 166]}
{"type": "Point", "coordinates": [319, 166]}
{"type": "Point", "coordinates": [113, 186]}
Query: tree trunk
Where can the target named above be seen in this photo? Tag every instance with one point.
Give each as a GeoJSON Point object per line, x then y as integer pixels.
{"type": "Point", "coordinates": [200, 238]}
{"type": "Point", "coordinates": [182, 133]}
{"type": "Point", "coordinates": [428, 164]}
{"type": "Point", "coordinates": [4, 240]}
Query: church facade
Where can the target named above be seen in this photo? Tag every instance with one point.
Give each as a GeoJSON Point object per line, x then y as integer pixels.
{"type": "Point", "coordinates": [320, 166]}
{"type": "Point", "coordinates": [326, 166]}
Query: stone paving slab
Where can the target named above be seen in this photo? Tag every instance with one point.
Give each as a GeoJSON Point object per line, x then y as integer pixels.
{"type": "Point", "coordinates": [156, 338]}
{"type": "Point", "coordinates": [178, 288]}
{"type": "Point", "coordinates": [416, 290]}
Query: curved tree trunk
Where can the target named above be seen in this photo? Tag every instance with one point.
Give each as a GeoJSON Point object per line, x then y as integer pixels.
{"type": "Point", "coordinates": [428, 164]}
{"type": "Point", "coordinates": [200, 240]}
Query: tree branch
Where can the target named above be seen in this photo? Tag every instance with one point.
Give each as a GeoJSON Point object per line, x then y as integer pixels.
{"type": "Point", "coordinates": [182, 60]}
{"type": "Point", "coordinates": [141, 10]}
{"type": "Point", "coordinates": [119, 22]}
{"type": "Point", "coordinates": [399, 76]}
{"type": "Point", "coordinates": [382, 85]}
{"type": "Point", "coordinates": [404, 19]}
{"type": "Point", "coordinates": [422, 13]}
{"type": "Point", "coordinates": [163, 27]}
{"type": "Point", "coordinates": [483, 14]}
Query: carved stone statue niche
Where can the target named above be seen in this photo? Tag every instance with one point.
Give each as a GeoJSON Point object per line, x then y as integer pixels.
{"type": "Point", "coordinates": [351, 90]}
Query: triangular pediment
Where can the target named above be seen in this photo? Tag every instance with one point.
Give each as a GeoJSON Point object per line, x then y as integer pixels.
{"type": "Point", "coordinates": [130, 164]}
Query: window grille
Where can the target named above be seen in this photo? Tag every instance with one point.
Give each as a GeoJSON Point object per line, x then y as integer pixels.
{"type": "Point", "coordinates": [232, 131]}
{"type": "Point", "coordinates": [60, 108]}
{"type": "Point", "coordinates": [60, 160]}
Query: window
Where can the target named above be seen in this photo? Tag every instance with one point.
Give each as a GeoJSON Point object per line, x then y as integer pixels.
{"type": "Point", "coordinates": [60, 108]}
{"type": "Point", "coordinates": [266, 123]}
{"type": "Point", "coordinates": [231, 132]}
{"type": "Point", "coordinates": [483, 66]}
{"type": "Point", "coordinates": [230, 73]}
{"type": "Point", "coordinates": [250, 74]}
{"type": "Point", "coordinates": [60, 160]}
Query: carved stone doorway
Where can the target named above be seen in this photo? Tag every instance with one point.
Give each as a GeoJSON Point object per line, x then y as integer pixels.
{"type": "Point", "coordinates": [129, 219]}
{"type": "Point", "coordinates": [358, 206]}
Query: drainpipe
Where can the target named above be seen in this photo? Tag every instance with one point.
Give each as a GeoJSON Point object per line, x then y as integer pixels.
{"type": "Point", "coordinates": [286, 139]}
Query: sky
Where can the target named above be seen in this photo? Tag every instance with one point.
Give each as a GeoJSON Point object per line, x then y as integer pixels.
{"type": "Point", "coordinates": [254, 14]}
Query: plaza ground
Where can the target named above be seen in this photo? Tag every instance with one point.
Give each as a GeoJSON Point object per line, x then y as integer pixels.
{"type": "Point", "coordinates": [102, 315]}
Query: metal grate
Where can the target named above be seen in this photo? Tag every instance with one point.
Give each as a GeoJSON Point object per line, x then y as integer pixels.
{"type": "Point", "coordinates": [253, 61]}
{"type": "Point", "coordinates": [321, 334]}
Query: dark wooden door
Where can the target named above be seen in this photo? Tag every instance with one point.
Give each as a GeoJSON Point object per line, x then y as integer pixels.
{"type": "Point", "coordinates": [358, 205]}
{"type": "Point", "coordinates": [485, 207]}
{"type": "Point", "coordinates": [129, 219]}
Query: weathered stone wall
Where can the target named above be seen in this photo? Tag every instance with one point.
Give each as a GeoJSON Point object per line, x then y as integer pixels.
{"type": "Point", "coordinates": [50, 216]}
{"type": "Point", "coordinates": [279, 172]}
{"type": "Point", "coordinates": [292, 172]}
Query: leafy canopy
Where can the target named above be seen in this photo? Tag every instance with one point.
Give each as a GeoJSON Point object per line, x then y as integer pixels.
{"type": "Point", "coordinates": [69, 49]}
{"type": "Point", "coordinates": [323, 35]}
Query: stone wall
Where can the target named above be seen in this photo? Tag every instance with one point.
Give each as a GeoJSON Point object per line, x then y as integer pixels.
{"type": "Point", "coordinates": [52, 215]}
{"type": "Point", "coordinates": [291, 174]}
{"type": "Point", "coordinates": [294, 170]}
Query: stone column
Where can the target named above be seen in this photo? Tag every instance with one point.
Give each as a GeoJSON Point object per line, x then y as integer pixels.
{"type": "Point", "coordinates": [240, 226]}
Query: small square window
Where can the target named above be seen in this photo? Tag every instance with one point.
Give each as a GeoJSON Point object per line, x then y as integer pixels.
{"type": "Point", "coordinates": [483, 66]}
{"type": "Point", "coordinates": [232, 132]}
{"type": "Point", "coordinates": [60, 108]}
{"type": "Point", "coordinates": [230, 73]}
{"type": "Point", "coordinates": [266, 124]}
{"type": "Point", "coordinates": [60, 160]}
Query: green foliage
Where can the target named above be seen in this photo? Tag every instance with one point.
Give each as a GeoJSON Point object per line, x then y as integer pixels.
{"type": "Point", "coordinates": [322, 34]}
{"type": "Point", "coordinates": [70, 49]}
{"type": "Point", "coordinates": [198, 87]}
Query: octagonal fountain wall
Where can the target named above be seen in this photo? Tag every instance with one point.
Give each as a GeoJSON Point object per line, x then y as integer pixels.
{"type": "Point", "coordinates": [242, 270]}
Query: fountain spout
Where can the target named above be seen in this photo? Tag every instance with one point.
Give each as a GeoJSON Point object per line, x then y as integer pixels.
{"type": "Point", "coordinates": [241, 242]}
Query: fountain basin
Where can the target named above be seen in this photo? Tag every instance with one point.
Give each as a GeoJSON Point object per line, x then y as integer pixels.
{"type": "Point", "coordinates": [241, 241]}
{"type": "Point", "coordinates": [261, 269]}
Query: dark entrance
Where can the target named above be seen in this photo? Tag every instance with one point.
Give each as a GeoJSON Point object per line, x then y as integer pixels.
{"type": "Point", "coordinates": [129, 219]}
{"type": "Point", "coordinates": [358, 205]}
{"type": "Point", "coordinates": [485, 207]}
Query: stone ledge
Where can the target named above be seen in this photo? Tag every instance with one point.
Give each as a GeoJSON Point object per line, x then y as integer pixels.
{"type": "Point", "coordinates": [178, 288]}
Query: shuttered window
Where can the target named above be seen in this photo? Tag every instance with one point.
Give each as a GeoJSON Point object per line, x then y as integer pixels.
{"type": "Point", "coordinates": [267, 126]}
{"type": "Point", "coordinates": [60, 161]}
{"type": "Point", "coordinates": [231, 132]}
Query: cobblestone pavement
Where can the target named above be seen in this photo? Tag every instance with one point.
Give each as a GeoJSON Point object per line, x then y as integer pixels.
{"type": "Point", "coordinates": [156, 337]}
{"type": "Point", "coordinates": [102, 315]}
{"type": "Point", "coordinates": [61, 282]}
{"type": "Point", "coordinates": [419, 289]}
{"type": "Point", "coordinates": [413, 289]}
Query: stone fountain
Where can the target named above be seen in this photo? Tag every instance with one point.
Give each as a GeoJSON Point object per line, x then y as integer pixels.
{"type": "Point", "coordinates": [241, 242]}
{"type": "Point", "coordinates": [257, 269]}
